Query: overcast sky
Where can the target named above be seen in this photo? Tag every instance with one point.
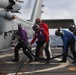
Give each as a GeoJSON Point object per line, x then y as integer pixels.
{"type": "Point", "coordinates": [59, 9]}
{"type": "Point", "coordinates": [53, 9]}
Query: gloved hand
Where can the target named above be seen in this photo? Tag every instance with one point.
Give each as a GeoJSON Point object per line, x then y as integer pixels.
{"type": "Point", "coordinates": [44, 45]}
{"type": "Point", "coordinates": [29, 46]}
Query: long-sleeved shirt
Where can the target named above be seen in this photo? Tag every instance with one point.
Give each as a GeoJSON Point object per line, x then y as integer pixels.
{"type": "Point", "coordinates": [67, 37]}
{"type": "Point", "coordinates": [23, 36]}
{"type": "Point", "coordinates": [45, 26]}
{"type": "Point", "coordinates": [41, 35]}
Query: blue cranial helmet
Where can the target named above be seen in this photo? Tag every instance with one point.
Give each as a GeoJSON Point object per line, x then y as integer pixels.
{"type": "Point", "coordinates": [58, 32]}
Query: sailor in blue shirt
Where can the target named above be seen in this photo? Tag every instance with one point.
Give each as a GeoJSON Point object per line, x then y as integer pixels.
{"type": "Point", "coordinates": [68, 41]}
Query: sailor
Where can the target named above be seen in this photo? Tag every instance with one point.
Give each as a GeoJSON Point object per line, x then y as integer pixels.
{"type": "Point", "coordinates": [23, 43]}
{"type": "Point", "coordinates": [45, 26]}
{"type": "Point", "coordinates": [68, 41]}
{"type": "Point", "coordinates": [42, 24]}
{"type": "Point", "coordinates": [42, 41]}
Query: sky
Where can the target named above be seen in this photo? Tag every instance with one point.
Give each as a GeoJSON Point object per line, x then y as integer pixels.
{"type": "Point", "coordinates": [53, 9]}
{"type": "Point", "coordinates": [60, 9]}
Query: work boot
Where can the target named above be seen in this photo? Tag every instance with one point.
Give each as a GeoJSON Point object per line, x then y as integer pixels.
{"type": "Point", "coordinates": [31, 60]}
{"type": "Point", "coordinates": [36, 59]}
{"type": "Point", "coordinates": [47, 61]}
{"type": "Point", "coordinates": [15, 60]}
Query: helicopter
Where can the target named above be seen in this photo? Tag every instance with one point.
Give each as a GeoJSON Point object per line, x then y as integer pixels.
{"type": "Point", "coordinates": [9, 21]}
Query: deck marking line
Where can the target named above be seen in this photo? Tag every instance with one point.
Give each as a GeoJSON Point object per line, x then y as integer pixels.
{"type": "Point", "coordinates": [61, 65]}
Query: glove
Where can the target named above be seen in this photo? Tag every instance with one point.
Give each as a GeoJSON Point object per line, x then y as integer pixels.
{"type": "Point", "coordinates": [44, 45]}
{"type": "Point", "coordinates": [29, 46]}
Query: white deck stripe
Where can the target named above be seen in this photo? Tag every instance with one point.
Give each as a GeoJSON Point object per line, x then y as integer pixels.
{"type": "Point", "coordinates": [61, 65]}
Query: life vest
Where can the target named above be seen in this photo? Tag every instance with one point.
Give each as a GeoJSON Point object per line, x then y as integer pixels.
{"type": "Point", "coordinates": [23, 36]}
{"type": "Point", "coordinates": [40, 35]}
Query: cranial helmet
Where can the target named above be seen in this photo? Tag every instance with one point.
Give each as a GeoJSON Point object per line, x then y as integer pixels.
{"type": "Point", "coordinates": [71, 27]}
{"type": "Point", "coordinates": [19, 24]}
{"type": "Point", "coordinates": [35, 27]}
{"type": "Point", "coordinates": [58, 32]}
{"type": "Point", "coordinates": [38, 20]}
